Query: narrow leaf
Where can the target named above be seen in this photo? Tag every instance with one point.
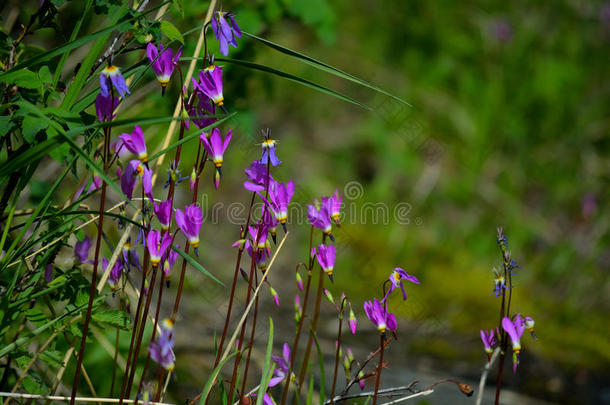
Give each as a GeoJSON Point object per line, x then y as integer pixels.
{"type": "Point", "coordinates": [196, 265]}
{"type": "Point", "coordinates": [323, 66]}
{"type": "Point", "coordinates": [267, 368]}
{"type": "Point", "coordinates": [208, 385]}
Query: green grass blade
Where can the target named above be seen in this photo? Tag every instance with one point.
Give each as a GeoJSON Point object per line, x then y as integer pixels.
{"type": "Point", "coordinates": [322, 374]}
{"type": "Point", "coordinates": [208, 385]}
{"type": "Point", "coordinates": [196, 265]}
{"type": "Point", "coordinates": [323, 66]}
{"type": "Point", "coordinates": [190, 136]}
{"type": "Point", "coordinates": [267, 368]}
{"type": "Point", "coordinates": [64, 56]}
{"type": "Point", "coordinates": [310, 391]}
{"type": "Point", "coordinates": [296, 79]}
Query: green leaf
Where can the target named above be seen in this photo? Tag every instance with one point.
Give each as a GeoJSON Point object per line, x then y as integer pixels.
{"type": "Point", "coordinates": [44, 73]}
{"type": "Point", "coordinates": [31, 126]}
{"type": "Point", "coordinates": [323, 66]}
{"type": "Point", "coordinates": [178, 6]}
{"type": "Point", "coordinates": [24, 78]}
{"type": "Point", "coordinates": [267, 367]}
{"type": "Point", "coordinates": [112, 317]}
{"type": "Point", "coordinates": [208, 385]}
{"type": "Point", "coordinates": [196, 265]}
{"type": "Point", "coordinates": [171, 31]}
{"type": "Point", "coordinates": [296, 79]}
{"type": "Point", "coordinates": [34, 385]}
{"type": "Point", "coordinates": [310, 391]}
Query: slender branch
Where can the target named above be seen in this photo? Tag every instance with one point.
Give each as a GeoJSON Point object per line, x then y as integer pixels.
{"type": "Point", "coordinates": [79, 399]}
{"type": "Point", "coordinates": [486, 369]}
{"type": "Point", "coordinates": [379, 368]}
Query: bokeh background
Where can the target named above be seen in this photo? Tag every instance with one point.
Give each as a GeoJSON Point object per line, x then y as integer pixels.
{"type": "Point", "coordinates": [507, 126]}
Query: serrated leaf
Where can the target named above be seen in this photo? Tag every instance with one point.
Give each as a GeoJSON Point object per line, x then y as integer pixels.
{"type": "Point", "coordinates": [113, 317]}
{"type": "Point", "coordinates": [171, 31]}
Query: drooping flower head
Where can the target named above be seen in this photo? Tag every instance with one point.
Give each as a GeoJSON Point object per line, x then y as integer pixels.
{"type": "Point", "coordinates": [334, 206]}
{"type": "Point", "coordinates": [260, 259]}
{"type": "Point", "coordinates": [168, 263]}
{"type": "Point", "coordinates": [203, 113]}
{"type": "Point", "coordinates": [163, 211]}
{"type": "Point", "coordinates": [274, 295]}
{"type": "Point", "coordinates": [258, 235]}
{"type": "Point", "coordinates": [105, 106]}
{"type": "Point", "coordinates": [489, 341]}
{"type": "Point", "coordinates": [163, 62]}
{"type": "Point", "coordinates": [282, 366]}
{"type": "Point", "coordinates": [268, 146]}
{"type": "Point", "coordinates": [130, 175]}
{"type": "Point", "coordinates": [529, 325]}
{"type": "Point", "coordinates": [320, 219]}
{"type": "Point", "coordinates": [499, 284]}
{"type": "Point", "coordinates": [299, 281]}
{"type": "Point", "coordinates": [225, 31]}
{"type": "Point", "coordinates": [189, 221]}
{"type": "Point", "coordinates": [115, 273]}
{"type": "Point", "coordinates": [257, 177]}
{"type": "Point", "coordinates": [396, 281]}
{"type": "Point", "coordinates": [210, 84]}
{"type": "Point", "coordinates": [130, 255]}
{"type": "Point", "coordinates": [280, 196]}
{"type": "Point", "coordinates": [157, 246]}
{"type": "Point", "coordinates": [135, 143]}
{"type": "Point", "coordinates": [326, 257]}
{"type": "Point", "coordinates": [81, 250]}
{"type": "Point", "coordinates": [111, 76]}
{"type": "Point", "coordinates": [216, 147]}
{"type": "Point", "coordinates": [270, 222]}
{"type": "Point", "coordinates": [378, 314]}
{"type": "Point", "coordinates": [161, 350]}
{"type": "Point", "coordinates": [515, 330]}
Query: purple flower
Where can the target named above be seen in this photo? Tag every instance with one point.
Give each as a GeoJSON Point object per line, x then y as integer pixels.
{"type": "Point", "coordinates": [189, 221]}
{"type": "Point", "coordinates": [515, 330]}
{"type": "Point", "coordinates": [115, 273]}
{"type": "Point", "coordinates": [203, 113]}
{"type": "Point", "coordinates": [258, 234]}
{"type": "Point", "coordinates": [268, 146]}
{"type": "Point", "coordinates": [334, 205]}
{"type": "Point", "coordinates": [499, 284]}
{"type": "Point", "coordinates": [282, 368]}
{"type": "Point", "coordinates": [170, 259]}
{"type": "Point", "coordinates": [163, 211]}
{"type": "Point", "coordinates": [377, 313]}
{"type": "Point", "coordinates": [48, 273]}
{"type": "Point", "coordinates": [299, 281]}
{"type": "Point", "coordinates": [161, 350]}
{"type": "Point", "coordinates": [529, 325]}
{"type": "Point", "coordinates": [163, 62]}
{"type": "Point", "coordinates": [259, 259]}
{"type": "Point", "coordinates": [105, 106]}
{"type": "Point", "coordinates": [224, 31]}
{"type": "Point", "coordinates": [130, 256]}
{"type": "Point", "coordinates": [216, 147]}
{"type": "Point", "coordinates": [157, 246]}
{"type": "Point", "coordinates": [135, 143]}
{"type": "Point", "coordinates": [489, 341]}
{"type": "Point", "coordinates": [81, 250]}
{"type": "Point", "coordinates": [396, 281]}
{"type": "Point", "coordinates": [130, 177]}
{"type": "Point", "coordinates": [111, 76]}
{"type": "Point", "coordinates": [320, 219]}
{"type": "Point", "coordinates": [352, 321]}
{"type": "Point", "coordinates": [326, 257]}
{"type": "Point", "coordinates": [257, 177]}
{"type": "Point", "coordinates": [270, 222]}
{"type": "Point", "coordinates": [280, 196]}
{"type": "Point", "coordinates": [210, 83]}
{"type": "Point", "coordinates": [502, 30]}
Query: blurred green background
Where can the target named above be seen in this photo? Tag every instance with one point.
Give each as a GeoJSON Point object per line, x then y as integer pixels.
{"type": "Point", "coordinates": [508, 126]}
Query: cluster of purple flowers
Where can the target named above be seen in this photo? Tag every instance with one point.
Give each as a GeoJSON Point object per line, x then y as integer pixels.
{"type": "Point", "coordinates": [377, 311]}
{"type": "Point", "coordinates": [514, 328]}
